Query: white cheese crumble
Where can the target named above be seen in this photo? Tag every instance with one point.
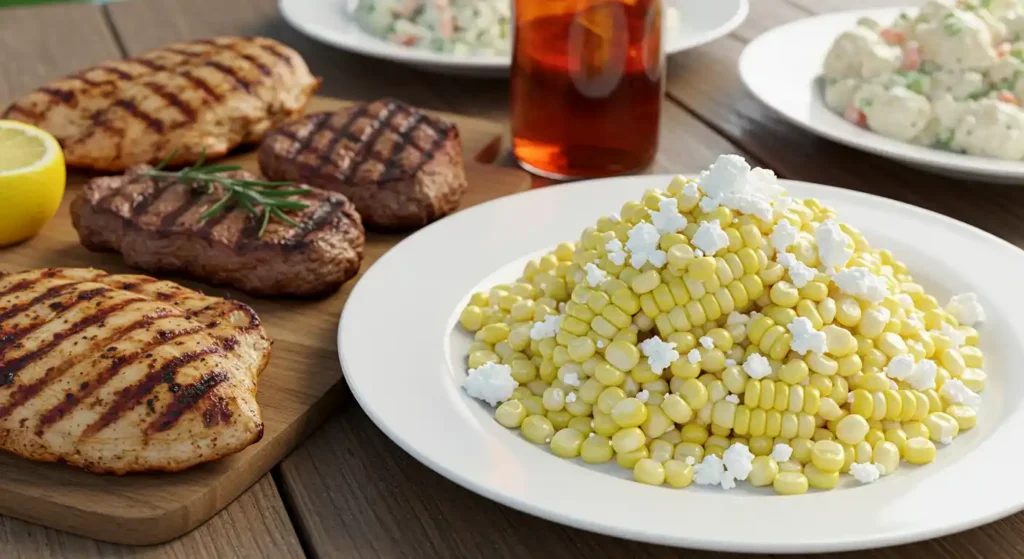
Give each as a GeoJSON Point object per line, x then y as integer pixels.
{"type": "Point", "coordinates": [595, 276]}
{"type": "Point", "coordinates": [738, 461]}
{"type": "Point", "coordinates": [805, 337]}
{"type": "Point", "coordinates": [833, 249]}
{"type": "Point", "coordinates": [570, 397]}
{"type": "Point", "coordinates": [736, 318]}
{"type": "Point", "coordinates": [666, 218]}
{"type": "Point", "coordinates": [571, 379]}
{"type": "Point", "coordinates": [710, 471]}
{"type": "Point", "coordinates": [728, 174]}
{"type": "Point", "coordinates": [660, 354]}
{"type": "Point", "coordinates": [643, 395]}
{"type": "Point", "coordinates": [782, 452]}
{"type": "Point", "coordinates": [966, 309]}
{"type": "Point", "coordinates": [799, 272]}
{"type": "Point", "coordinates": [861, 283]}
{"type": "Point", "coordinates": [707, 342]}
{"type": "Point", "coordinates": [490, 382]}
{"type": "Point", "coordinates": [547, 328]}
{"type": "Point", "coordinates": [732, 398]}
{"type": "Point", "coordinates": [709, 203]}
{"type": "Point", "coordinates": [694, 356]}
{"type": "Point", "coordinates": [782, 205]}
{"type": "Point", "coordinates": [690, 190]}
{"type": "Point", "coordinates": [955, 336]}
{"type": "Point", "coordinates": [904, 300]}
{"type": "Point", "coordinates": [643, 246]}
{"type": "Point", "coordinates": [957, 393]}
{"type": "Point", "coordinates": [865, 473]}
{"type": "Point", "coordinates": [600, 344]}
{"type": "Point", "coordinates": [756, 366]}
{"type": "Point", "coordinates": [690, 460]}
{"type": "Point", "coordinates": [923, 376]}
{"type": "Point", "coordinates": [710, 237]}
{"type": "Point", "coordinates": [730, 362]}
{"type": "Point", "coordinates": [783, 235]}
{"type": "Point", "coordinates": [616, 255]}
{"type": "Point", "coordinates": [698, 253]}
{"type": "Point", "coordinates": [900, 367]}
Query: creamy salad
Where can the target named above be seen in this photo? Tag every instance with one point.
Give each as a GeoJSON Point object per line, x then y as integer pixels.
{"type": "Point", "coordinates": [949, 77]}
{"type": "Point", "coordinates": [453, 26]}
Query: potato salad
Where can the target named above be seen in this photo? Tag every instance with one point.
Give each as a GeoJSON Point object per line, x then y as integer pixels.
{"type": "Point", "coordinates": [949, 77]}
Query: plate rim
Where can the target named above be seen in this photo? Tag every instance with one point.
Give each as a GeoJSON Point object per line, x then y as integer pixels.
{"type": "Point", "coordinates": [904, 152]}
{"type": "Point", "coordinates": [917, 533]}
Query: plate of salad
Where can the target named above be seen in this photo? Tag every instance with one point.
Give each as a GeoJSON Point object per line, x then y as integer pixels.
{"type": "Point", "coordinates": [471, 37]}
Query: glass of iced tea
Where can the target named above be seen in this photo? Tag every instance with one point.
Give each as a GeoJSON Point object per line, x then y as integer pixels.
{"type": "Point", "coordinates": [587, 83]}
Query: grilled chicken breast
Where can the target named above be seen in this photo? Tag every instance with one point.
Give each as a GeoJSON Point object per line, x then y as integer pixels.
{"type": "Point", "coordinates": [124, 373]}
{"type": "Point", "coordinates": [401, 167]}
{"type": "Point", "coordinates": [157, 225]}
{"type": "Point", "coordinates": [210, 95]}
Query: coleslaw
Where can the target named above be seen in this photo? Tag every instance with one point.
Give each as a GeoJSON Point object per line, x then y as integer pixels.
{"type": "Point", "coordinates": [460, 27]}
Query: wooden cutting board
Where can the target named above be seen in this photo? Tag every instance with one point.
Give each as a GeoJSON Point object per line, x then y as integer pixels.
{"type": "Point", "coordinates": [297, 391]}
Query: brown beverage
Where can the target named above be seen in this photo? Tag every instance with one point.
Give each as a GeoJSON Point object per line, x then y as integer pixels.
{"type": "Point", "coordinates": [587, 82]}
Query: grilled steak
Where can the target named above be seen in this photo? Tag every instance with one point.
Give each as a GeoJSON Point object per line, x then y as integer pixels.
{"type": "Point", "coordinates": [207, 95]}
{"type": "Point", "coordinates": [120, 374]}
{"type": "Point", "coordinates": [400, 167]}
{"type": "Point", "coordinates": [157, 225]}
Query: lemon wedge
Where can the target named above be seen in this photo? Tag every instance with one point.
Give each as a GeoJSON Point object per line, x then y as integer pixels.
{"type": "Point", "coordinates": [32, 179]}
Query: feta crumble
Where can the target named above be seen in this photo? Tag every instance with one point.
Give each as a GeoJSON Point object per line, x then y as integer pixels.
{"type": "Point", "coordinates": [900, 367]}
{"type": "Point", "coordinates": [923, 376]}
{"type": "Point", "coordinates": [957, 393]}
{"type": "Point", "coordinates": [710, 471]}
{"type": "Point", "coordinates": [865, 473]}
{"type": "Point", "coordinates": [783, 235]}
{"type": "Point", "coordinates": [571, 379]}
{"type": "Point", "coordinates": [616, 254]}
{"type": "Point", "coordinates": [799, 272]}
{"type": "Point", "coordinates": [833, 249]}
{"type": "Point", "coordinates": [643, 395]}
{"type": "Point", "coordinates": [738, 461]}
{"type": "Point", "coordinates": [660, 354]}
{"type": "Point", "coordinates": [707, 342]}
{"type": "Point", "coordinates": [547, 328]}
{"type": "Point", "coordinates": [805, 337]}
{"type": "Point", "coordinates": [698, 253]}
{"type": "Point", "coordinates": [710, 237]}
{"type": "Point", "coordinates": [595, 276]}
{"type": "Point", "coordinates": [966, 309]}
{"type": "Point", "coordinates": [782, 452]}
{"type": "Point", "coordinates": [904, 300]}
{"type": "Point", "coordinates": [956, 337]}
{"type": "Point", "coordinates": [730, 362]}
{"type": "Point", "coordinates": [694, 356]}
{"type": "Point", "coordinates": [690, 190]}
{"type": "Point", "coordinates": [756, 366]}
{"type": "Point", "coordinates": [861, 283]}
{"type": "Point", "coordinates": [736, 318]}
{"type": "Point", "coordinates": [690, 460]}
{"type": "Point", "coordinates": [728, 174]}
{"type": "Point", "coordinates": [490, 382]}
{"type": "Point", "coordinates": [570, 397]}
{"type": "Point", "coordinates": [666, 218]}
{"type": "Point", "coordinates": [732, 398]}
{"type": "Point", "coordinates": [643, 246]}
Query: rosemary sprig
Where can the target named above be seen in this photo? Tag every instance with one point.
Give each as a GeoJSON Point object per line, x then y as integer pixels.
{"type": "Point", "coordinates": [247, 193]}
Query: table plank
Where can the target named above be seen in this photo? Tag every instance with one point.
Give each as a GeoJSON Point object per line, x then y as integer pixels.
{"type": "Point", "coordinates": [254, 525]}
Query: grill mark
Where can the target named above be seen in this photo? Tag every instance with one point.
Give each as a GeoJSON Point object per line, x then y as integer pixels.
{"type": "Point", "coordinates": [64, 96]}
{"type": "Point", "coordinates": [206, 229]}
{"type": "Point", "coordinates": [315, 222]}
{"type": "Point", "coordinates": [87, 81]}
{"type": "Point", "coordinates": [360, 157]}
{"type": "Point", "coordinates": [149, 64]}
{"type": "Point", "coordinates": [261, 67]}
{"type": "Point", "coordinates": [13, 338]}
{"type": "Point", "coordinates": [28, 113]}
{"type": "Point", "coordinates": [186, 399]}
{"type": "Point", "coordinates": [9, 369]}
{"type": "Point", "coordinates": [343, 132]}
{"type": "Point", "coordinates": [216, 413]}
{"type": "Point", "coordinates": [171, 218]}
{"type": "Point", "coordinates": [26, 392]}
{"type": "Point", "coordinates": [151, 122]}
{"type": "Point", "coordinates": [183, 52]}
{"type": "Point", "coordinates": [51, 293]}
{"type": "Point", "coordinates": [173, 100]}
{"type": "Point", "coordinates": [19, 286]}
{"type": "Point", "coordinates": [404, 135]}
{"type": "Point", "coordinates": [199, 83]}
{"type": "Point", "coordinates": [230, 72]}
{"type": "Point", "coordinates": [117, 72]}
{"type": "Point", "coordinates": [306, 140]}
{"type": "Point", "coordinates": [129, 397]}
{"type": "Point", "coordinates": [272, 49]}
{"type": "Point", "coordinates": [87, 389]}
{"type": "Point", "coordinates": [149, 198]}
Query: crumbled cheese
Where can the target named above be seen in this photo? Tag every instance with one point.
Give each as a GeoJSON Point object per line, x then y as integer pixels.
{"type": "Point", "coordinates": [738, 461]}
{"type": "Point", "coordinates": [709, 203]}
{"type": "Point", "coordinates": [643, 246]}
{"type": "Point", "coordinates": [904, 300]}
{"type": "Point", "coordinates": [600, 344]}
{"type": "Point", "coordinates": [736, 318]}
{"type": "Point", "coordinates": [750, 203]}
{"type": "Point", "coordinates": [707, 342]}
{"type": "Point", "coordinates": [861, 283]}
{"type": "Point", "coordinates": [666, 218]}
{"type": "Point", "coordinates": [945, 433]}
{"type": "Point", "coordinates": [756, 366]}
{"type": "Point", "coordinates": [900, 367]}
{"type": "Point", "coordinates": [923, 376]}
{"type": "Point", "coordinates": [966, 309]}
{"type": "Point", "coordinates": [571, 379]}
{"type": "Point", "coordinates": [956, 337]}
{"type": "Point", "coordinates": [728, 481]}
{"type": "Point", "coordinates": [710, 238]}
{"type": "Point", "coordinates": [690, 190]}
{"type": "Point", "coordinates": [694, 356]}
{"type": "Point", "coordinates": [660, 354]}
{"type": "Point", "coordinates": [615, 252]}
{"type": "Point", "coordinates": [799, 272]}
{"type": "Point", "coordinates": [783, 235]}
{"type": "Point", "coordinates": [805, 337]}
{"type": "Point", "coordinates": [782, 452]}
{"type": "Point", "coordinates": [643, 395]}
{"type": "Point", "coordinates": [490, 382]}
{"type": "Point", "coordinates": [865, 473]}
{"type": "Point", "coordinates": [570, 397]}
{"type": "Point", "coordinates": [728, 174]}
{"type": "Point", "coordinates": [730, 362]}
{"type": "Point", "coordinates": [957, 393]}
{"type": "Point", "coordinates": [732, 398]}
{"type": "Point", "coordinates": [547, 328]}
{"type": "Point", "coordinates": [710, 471]}
{"type": "Point", "coordinates": [595, 276]}
{"type": "Point", "coordinates": [690, 460]}
{"type": "Point", "coordinates": [833, 249]}
{"type": "Point", "coordinates": [764, 182]}
{"type": "Point", "coordinates": [698, 253]}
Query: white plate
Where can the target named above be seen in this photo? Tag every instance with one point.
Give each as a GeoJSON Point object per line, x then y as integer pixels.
{"type": "Point", "coordinates": [403, 359]}
{"type": "Point", "coordinates": [331, 22]}
{"type": "Point", "coordinates": [782, 68]}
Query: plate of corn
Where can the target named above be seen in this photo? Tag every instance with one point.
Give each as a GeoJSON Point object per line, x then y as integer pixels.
{"type": "Point", "coordinates": [724, 361]}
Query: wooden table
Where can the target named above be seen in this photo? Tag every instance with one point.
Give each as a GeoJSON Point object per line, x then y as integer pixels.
{"type": "Point", "coordinates": [348, 491]}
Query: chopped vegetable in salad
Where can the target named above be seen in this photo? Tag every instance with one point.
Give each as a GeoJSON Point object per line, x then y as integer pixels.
{"type": "Point", "coordinates": [949, 77]}
{"type": "Point", "coordinates": [449, 26]}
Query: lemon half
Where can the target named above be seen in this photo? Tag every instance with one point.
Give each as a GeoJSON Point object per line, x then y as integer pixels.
{"type": "Point", "coordinates": [32, 179]}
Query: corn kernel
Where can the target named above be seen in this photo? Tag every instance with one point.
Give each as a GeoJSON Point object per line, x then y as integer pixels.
{"type": "Point", "coordinates": [966, 417]}
{"type": "Point", "coordinates": [790, 483]}
{"type": "Point", "coordinates": [628, 440]}
{"type": "Point", "coordinates": [919, 451]}
{"type": "Point", "coordinates": [819, 479]}
{"type": "Point", "coordinates": [537, 429]}
{"type": "Point", "coordinates": [678, 473]}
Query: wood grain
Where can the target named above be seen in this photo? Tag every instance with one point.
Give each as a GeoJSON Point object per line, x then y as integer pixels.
{"type": "Point", "coordinates": [297, 390]}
